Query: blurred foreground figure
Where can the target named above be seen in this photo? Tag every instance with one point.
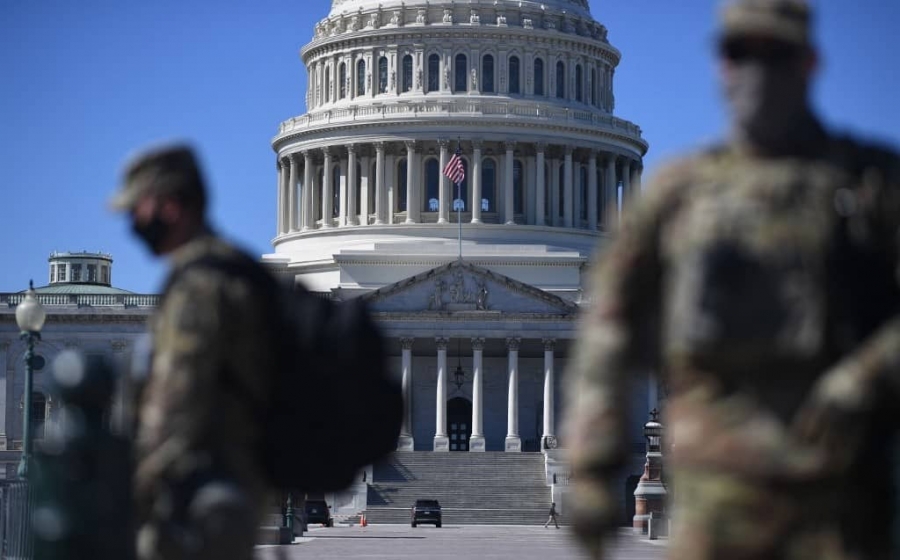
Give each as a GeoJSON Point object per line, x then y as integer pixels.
{"type": "Point", "coordinates": [760, 278]}
{"type": "Point", "coordinates": [199, 486]}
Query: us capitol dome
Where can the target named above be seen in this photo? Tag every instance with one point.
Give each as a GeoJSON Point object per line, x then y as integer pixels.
{"type": "Point", "coordinates": [523, 88]}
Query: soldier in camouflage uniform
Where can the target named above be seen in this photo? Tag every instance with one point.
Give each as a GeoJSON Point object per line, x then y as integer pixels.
{"type": "Point", "coordinates": [198, 483]}
{"type": "Point", "coordinates": [760, 278]}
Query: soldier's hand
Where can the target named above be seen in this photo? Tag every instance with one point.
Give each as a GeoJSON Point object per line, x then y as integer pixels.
{"type": "Point", "coordinates": [833, 418]}
{"type": "Point", "coordinates": [594, 512]}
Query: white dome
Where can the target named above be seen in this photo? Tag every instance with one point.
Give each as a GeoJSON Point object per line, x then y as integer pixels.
{"type": "Point", "coordinates": [573, 7]}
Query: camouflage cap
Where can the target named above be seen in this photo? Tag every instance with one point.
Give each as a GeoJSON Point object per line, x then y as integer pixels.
{"type": "Point", "coordinates": [782, 20]}
{"type": "Point", "coordinates": [164, 169]}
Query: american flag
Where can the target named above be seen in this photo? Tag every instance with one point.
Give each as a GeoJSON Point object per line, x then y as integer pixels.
{"type": "Point", "coordinates": [454, 169]}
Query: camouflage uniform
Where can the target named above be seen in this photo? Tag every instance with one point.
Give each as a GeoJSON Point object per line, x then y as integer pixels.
{"type": "Point", "coordinates": [765, 291]}
{"type": "Point", "coordinates": [199, 486]}
{"type": "Point", "coordinates": [196, 417]}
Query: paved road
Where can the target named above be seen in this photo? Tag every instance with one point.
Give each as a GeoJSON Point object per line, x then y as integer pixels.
{"type": "Point", "coordinates": [401, 542]}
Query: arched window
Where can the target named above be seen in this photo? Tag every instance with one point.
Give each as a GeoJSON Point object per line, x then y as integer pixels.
{"type": "Point", "coordinates": [432, 197]}
{"type": "Point", "coordinates": [342, 76]}
{"type": "Point", "coordinates": [487, 73]}
{"type": "Point", "coordinates": [401, 185]}
{"type": "Point", "coordinates": [327, 84]}
{"type": "Point", "coordinates": [594, 87]}
{"type": "Point", "coordinates": [462, 73]}
{"type": "Point", "coordinates": [562, 191]}
{"type": "Point", "coordinates": [560, 79]}
{"type": "Point", "coordinates": [382, 75]}
{"type": "Point", "coordinates": [538, 76]}
{"type": "Point", "coordinates": [488, 186]}
{"type": "Point", "coordinates": [407, 73]}
{"type": "Point", "coordinates": [336, 191]}
{"type": "Point", "coordinates": [38, 414]}
{"type": "Point", "coordinates": [360, 77]}
{"type": "Point", "coordinates": [579, 84]}
{"type": "Point", "coordinates": [518, 187]}
{"type": "Point", "coordinates": [461, 194]}
{"type": "Point", "coordinates": [514, 85]}
{"type": "Point", "coordinates": [434, 72]}
{"type": "Point", "coordinates": [583, 192]}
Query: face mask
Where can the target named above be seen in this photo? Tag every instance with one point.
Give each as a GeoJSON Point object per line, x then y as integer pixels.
{"type": "Point", "coordinates": [766, 100]}
{"type": "Point", "coordinates": [152, 233]}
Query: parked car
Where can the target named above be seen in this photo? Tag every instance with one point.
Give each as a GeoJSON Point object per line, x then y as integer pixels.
{"type": "Point", "coordinates": [426, 511]}
{"type": "Point", "coordinates": [317, 512]}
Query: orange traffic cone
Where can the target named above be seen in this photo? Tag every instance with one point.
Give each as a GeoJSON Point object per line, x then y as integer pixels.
{"type": "Point", "coordinates": [362, 521]}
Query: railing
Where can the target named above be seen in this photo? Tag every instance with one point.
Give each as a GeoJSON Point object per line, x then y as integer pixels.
{"type": "Point", "coordinates": [16, 501]}
{"type": "Point", "coordinates": [412, 108]}
{"type": "Point", "coordinates": [86, 300]}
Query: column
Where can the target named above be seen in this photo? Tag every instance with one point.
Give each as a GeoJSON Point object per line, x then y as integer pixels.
{"type": "Point", "coordinates": [626, 184]}
{"type": "Point", "coordinates": [417, 191]}
{"type": "Point", "coordinates": [636, 170]}
{"type": "Point", "coordinates": [327, 190]}
{"type": "Point", "coordinates": [441, 441]}
{"type": "Point", "coordinates": [307, 206]}
{"type": "Point", "coordinates": [279, 197]}
{"type": "Point", "coordinates": [342, 196]}
{"type": "Point", "coordinates": [410, 182]}
{"type": "Point", "coordinates": [568, 179]}
{"type": "Point", "coordinates": [476, 441]}
{"type": "Point", "coordinates": [592, 190]}
{"type": "Point", "coordinates": [405, 442]}
{"type": "Point", "coordinates": [555, 189]}
{"type": "Point", "coordinates": [444, 208]}
{"type": "Point", "coordinates": [364, 190]}
{"type": "Point", "coordinates": [541, 195]}
{"type": "Point", "coordinates": [513, 441]}
{"type": "Point", "coordinates": [548, 439]}
{"type": "Point", "coordinates": [380, 210]}
{"type": "Point", "coordinates": [293, 207]}
{"type": "Point", "coordinates": [475, 181]}
{"type": "Point", "coordinates": [611, 192]}
{"type": "Point", "coordinates": [352, 204]}
{"type": "Point", "coordinates": [509, 213]}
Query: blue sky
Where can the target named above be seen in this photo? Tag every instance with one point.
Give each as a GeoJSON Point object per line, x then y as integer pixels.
{"type": "Point", "coordinates": [83, 84]}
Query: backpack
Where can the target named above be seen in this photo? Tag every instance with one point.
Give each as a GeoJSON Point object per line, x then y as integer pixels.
{"type": "Point", "coordinates": [334, 408]}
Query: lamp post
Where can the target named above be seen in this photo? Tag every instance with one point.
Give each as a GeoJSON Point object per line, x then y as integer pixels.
{"type": "Point", "coordinates": [650, 494]}
{"type": "Point", "coordinates": [30, 316]}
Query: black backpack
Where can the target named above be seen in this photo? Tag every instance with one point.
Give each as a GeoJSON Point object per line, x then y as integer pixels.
{"type": "Point", "coordinates": [334, 407]}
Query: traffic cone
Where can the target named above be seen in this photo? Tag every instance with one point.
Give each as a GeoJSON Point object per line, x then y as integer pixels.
{"type": "Point", "coordinates": [362, 521]}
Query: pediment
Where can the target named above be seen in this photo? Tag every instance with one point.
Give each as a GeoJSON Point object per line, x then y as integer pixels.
{"type": "Point", "coordinates": [464, 287]}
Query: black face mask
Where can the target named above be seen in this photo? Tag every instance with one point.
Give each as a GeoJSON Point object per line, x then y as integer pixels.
{"type": "Point", "coordinates": [151, 233]}
{"type": "Point", "coordinates": [768, 100]}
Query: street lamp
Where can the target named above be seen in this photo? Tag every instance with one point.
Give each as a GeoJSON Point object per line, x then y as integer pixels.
{"type": "Point", "coordinates": [30, 316]}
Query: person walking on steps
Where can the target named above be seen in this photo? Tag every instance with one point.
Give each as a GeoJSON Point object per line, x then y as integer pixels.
{"type": "Point", "coordinates": [552, 516]}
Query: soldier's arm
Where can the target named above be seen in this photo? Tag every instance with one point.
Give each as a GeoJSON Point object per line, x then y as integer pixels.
{"type": "Point", "coordinates": [177, 410]}
{"type": "Point", "coordinates": [618, 336]}
{"type": "Point", "coordinates": [848, 391]}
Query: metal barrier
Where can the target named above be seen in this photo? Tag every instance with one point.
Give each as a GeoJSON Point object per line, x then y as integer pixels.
{"type": "Point", "coordinates": [16, 502]}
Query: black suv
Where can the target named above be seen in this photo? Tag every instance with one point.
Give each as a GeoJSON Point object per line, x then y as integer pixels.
{"type": "Point", "coordinates": [426, 511]}
{"type": "Point", "coordinates": [317, 512]}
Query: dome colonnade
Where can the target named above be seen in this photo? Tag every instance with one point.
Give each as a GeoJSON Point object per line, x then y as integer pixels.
{"type": "Point", "coordinates": [527, 86]}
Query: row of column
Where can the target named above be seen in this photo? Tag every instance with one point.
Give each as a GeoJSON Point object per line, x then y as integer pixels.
{"type": "Point", "coordinates": [339, 76]}
{"type": "Point", "coordinates": [296, 205]}
{"type": "Point", "coordinates": [513, 440]}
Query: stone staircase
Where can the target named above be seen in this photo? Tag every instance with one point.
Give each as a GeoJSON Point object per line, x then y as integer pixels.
{"type": "Point", "coordinates": [492, 488]}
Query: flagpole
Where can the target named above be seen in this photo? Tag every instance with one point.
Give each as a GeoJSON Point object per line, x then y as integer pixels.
{"type": "Point", "coordinates": [459, 220]}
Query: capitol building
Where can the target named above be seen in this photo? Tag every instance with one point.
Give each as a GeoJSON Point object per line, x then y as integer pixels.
{"type": "Point", "coordinates": [477, 285]}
